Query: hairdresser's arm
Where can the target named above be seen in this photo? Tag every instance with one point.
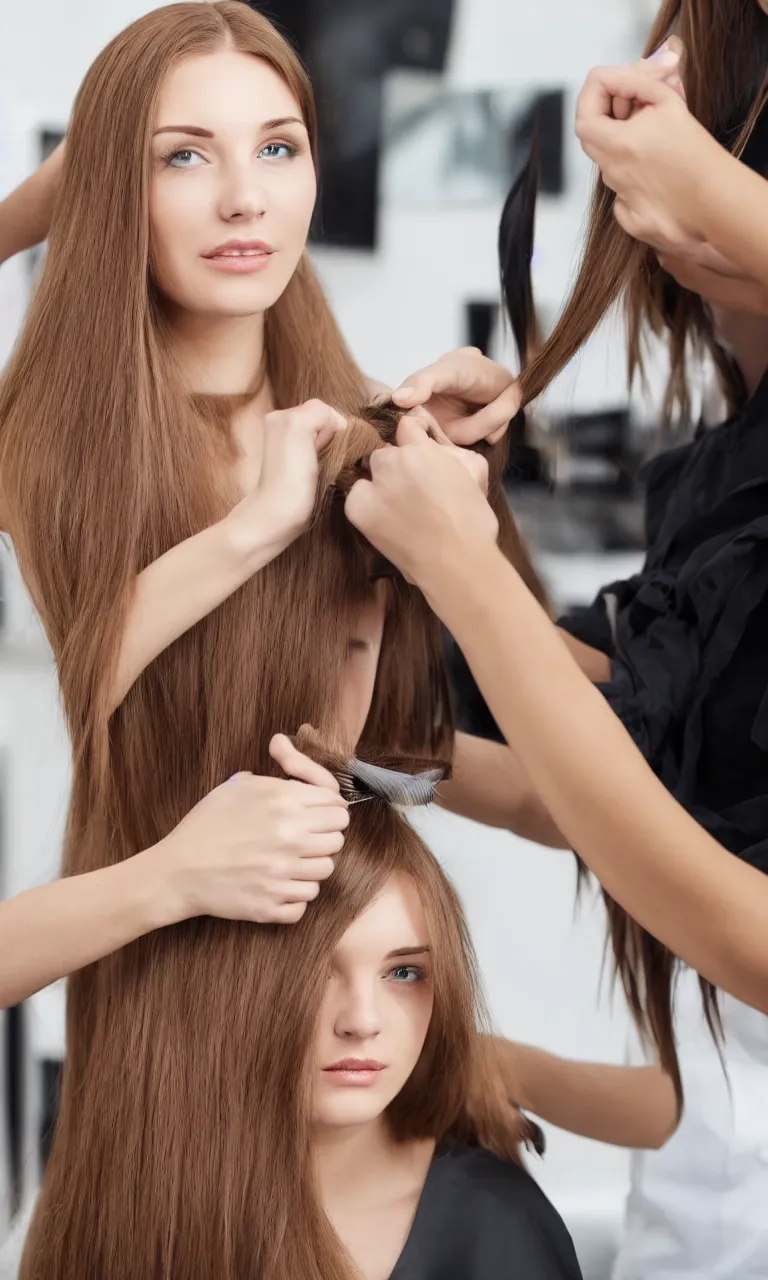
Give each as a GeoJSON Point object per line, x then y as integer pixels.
{"type": "Point", "coordinates": [50, 932]}
{"type": "Point", "coordinates": [489, 785]}
{"type": "Point", "coordinates": [25, 215]}
{"type": "Point", "coordinates": [187, 583]}
{"type": "Point", "coordinates": [648, 853]}
{"type": "Point", "coordinates": [255, 849]}
{"type": "Point", "coordinates": [195, 577]}
{"type": "Point", "coordinates": [489, 782]}
{"type": "Point", "coordinates": [623, 1106]}
{"type": "Point", "coordinates": [427, 516]}
{"type": "Point", "coordinates": [734, 217]}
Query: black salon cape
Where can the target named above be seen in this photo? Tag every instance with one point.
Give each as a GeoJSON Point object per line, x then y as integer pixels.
{"type": "Point", "coordinates": [480, 1218]}
{"type": "Point", "coordinates": [688, 636]}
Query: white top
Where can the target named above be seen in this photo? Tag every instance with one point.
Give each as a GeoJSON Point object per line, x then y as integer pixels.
{"type": "Point", "coordinates": [698, 1209]}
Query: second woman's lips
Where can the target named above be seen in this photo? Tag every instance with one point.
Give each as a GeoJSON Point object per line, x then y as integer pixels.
{"type": "Point", "coordinates": [356, 1064]}
{"type": "Point", "coordinates": [240, 248]}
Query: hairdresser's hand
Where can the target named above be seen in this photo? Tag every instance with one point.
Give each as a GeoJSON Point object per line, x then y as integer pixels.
{"type": "Point", "coordinates": [471, 397]}
{"type": "Point", "coordinates": [421, 420]}
{"type": "Point", "coordinates": [665, 65]}
{"type": "Point", "coordinates": [256, 848]}
{"type": "Point", "coordinates": [284, 498]}
{"type": "Point", "coordinates": [714, 278]}
{"type": "Point", "coordinates": [657, 161]}
{"type": "Point", "coordinates": [422, 508]}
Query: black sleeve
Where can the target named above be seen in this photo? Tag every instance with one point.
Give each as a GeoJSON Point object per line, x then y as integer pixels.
{"type": "Point", "coordinates": [592, 624]}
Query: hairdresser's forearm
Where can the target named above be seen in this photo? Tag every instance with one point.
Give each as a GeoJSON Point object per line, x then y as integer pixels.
{"type": "Point", "coordinates": [184, 585]}
{"type": "Point", "coordinates": [733, 213]}
{"type": "Point", "coordinates": [623, 1106]}
{"type": "Point", "coordinates": [707, 906]}
{"type": "Point", "coordinates": [25, 215]}
{"type": "Point", "coordinates": [23, 221]}
{"type": "Point", "coordinates": [490, 785]}
{"type": "Point", "coordinates": [595, 664]}
{"type": "Point", "coordinates": [50, 932]}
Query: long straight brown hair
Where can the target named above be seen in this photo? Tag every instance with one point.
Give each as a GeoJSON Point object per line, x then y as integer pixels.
{"type": "Point", "coordinates": [726, 82]}
{"type": "Point", "coordinates": [107, 461]}
{"type": "Point", "coordinates": [188, 1152]}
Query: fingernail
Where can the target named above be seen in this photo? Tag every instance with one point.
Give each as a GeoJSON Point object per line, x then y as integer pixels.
{"type": "Point", "coordinates": [405, 392]}
{"type": "Point", "coordinates": [665, 56]}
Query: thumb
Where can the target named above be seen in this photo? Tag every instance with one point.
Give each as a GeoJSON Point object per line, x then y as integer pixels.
{"type": "Point", "coordinates": [418, 389]}
{"type": "Point", "coordinates": [413, 430]}
{"type": "Point", "coordinates": [328, 432]}
{"type": "Point", "coordinates": [358, 502]}
{"type": "Point", "coordinates": [296, 765]}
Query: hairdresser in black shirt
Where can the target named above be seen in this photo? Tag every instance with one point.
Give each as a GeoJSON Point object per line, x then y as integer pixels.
{"type": "Point", "coordinates": [426, 513]}
{"type": "Point", "coordinates": [678, 651]}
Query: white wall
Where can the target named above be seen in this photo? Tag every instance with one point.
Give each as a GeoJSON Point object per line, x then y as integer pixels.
{"type": "Point", "coordinates": [399, 309]}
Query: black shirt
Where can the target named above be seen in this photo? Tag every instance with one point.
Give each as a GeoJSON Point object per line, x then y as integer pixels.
{"type": "Point", "coordinates": [688, 635]}
{"type": "Point", "coordinates": [480, 1218]}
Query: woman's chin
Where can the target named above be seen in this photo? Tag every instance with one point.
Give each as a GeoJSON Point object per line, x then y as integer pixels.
{"type": "Point", "coordinates": [234, 298]}
{"type": "Point", "coordinates": [345, 1109]}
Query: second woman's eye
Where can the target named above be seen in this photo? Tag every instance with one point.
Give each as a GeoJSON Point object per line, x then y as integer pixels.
{"type": "Point", "coordinates": [278, 151]}
{"type": "Point", "coordinates": [408, 973]}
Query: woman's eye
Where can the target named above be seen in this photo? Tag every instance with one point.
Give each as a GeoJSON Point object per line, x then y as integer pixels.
{"type": "Point", "coordinates": [277, 151]}
{"type": "Point", "coordinates": [184, 159]}
{"type": "Point", "coordinates": [408, 973]}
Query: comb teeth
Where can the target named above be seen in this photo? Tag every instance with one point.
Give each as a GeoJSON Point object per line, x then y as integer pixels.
{"type": "Point", "coordinates": [364, 781]}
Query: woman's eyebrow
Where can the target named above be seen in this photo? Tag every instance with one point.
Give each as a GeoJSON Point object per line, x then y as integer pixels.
{"type": "Point", "coordinates": [197, 132]}
{"type": "Point", "coordinates": [194, 129]}
{"type": "Point", "coordinates": [408, 951]}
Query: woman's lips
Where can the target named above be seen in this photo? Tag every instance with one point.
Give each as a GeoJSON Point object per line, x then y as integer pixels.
{"type": "Point", "coordinates": [241, 257]}
{"type": "Point", "coordinates": [354, 1071]}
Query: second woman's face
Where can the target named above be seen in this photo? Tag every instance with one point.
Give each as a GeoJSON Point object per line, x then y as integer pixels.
{"type": "Point", "coordinates": [377, 1008]}
{"type": "Point", "coordinates": [232, 188]}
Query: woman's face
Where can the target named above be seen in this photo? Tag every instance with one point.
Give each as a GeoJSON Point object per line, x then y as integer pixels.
{"type": "Point", "coordinates": [232, 188]}
{"type": "Point", "coordinates": [376, 1011]}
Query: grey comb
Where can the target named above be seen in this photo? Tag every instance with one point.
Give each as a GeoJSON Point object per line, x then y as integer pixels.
{"type": "Point", "coordinates": [365, 781]}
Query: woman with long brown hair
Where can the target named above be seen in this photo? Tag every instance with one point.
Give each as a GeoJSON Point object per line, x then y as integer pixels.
{"type": "Point", "coordinates": [194, 472]}
{"type": "Point", "coordinates": [319, 1126]}
{"type": "Point", "coordinates": [180, 525]}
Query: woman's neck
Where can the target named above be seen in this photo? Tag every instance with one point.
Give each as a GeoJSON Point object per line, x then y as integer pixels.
{"type": "Point", "coordinates": [370, 1187]}
{"type": "Point", "coordinates": [218, 355]}
{"type": "Point", "coordinates": [354, 1163]}
{"type": "Point", "coordinates": [746, 337]}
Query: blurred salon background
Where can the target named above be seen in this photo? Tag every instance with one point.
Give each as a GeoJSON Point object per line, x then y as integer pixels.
{"type": "Point", "coordinates": [427, 109]}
